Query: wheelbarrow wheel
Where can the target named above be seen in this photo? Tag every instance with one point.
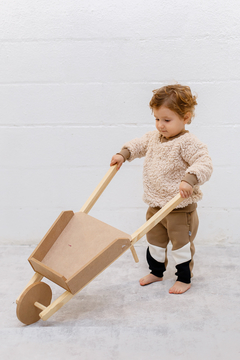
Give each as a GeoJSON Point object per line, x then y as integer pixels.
{"type": "Point", "coordinates": [27, 312]}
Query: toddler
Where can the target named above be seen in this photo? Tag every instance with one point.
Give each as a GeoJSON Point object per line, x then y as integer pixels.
{"type": "Point", "coordinates": [175, 161]}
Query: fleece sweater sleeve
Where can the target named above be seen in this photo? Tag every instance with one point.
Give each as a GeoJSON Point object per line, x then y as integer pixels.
{"type": "Point", "coordinates": [195, 153]}
{"type": "Point", "coordinates": [136, 148]}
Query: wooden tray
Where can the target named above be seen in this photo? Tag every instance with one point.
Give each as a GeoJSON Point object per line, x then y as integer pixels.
{"type": "Point", "coordinates": [76, 249]}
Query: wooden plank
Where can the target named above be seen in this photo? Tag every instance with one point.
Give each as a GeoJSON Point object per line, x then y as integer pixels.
{"type": "Point", "coordinates": [99, 263]}
{"type": "Point", "coordinates": [51, 236]}
{"type": "Point", "coordinates": [49, 273]}
{"type": "Point", "coordinates": [99, 189]}
{"type": "Point", "coordinates": [154, 220]}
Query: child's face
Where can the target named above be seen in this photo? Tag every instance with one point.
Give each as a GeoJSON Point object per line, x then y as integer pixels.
{"type": "Point", "coordinates": [169, 123]}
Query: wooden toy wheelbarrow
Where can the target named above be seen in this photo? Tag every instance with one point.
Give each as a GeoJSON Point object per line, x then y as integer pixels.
{"type": "Point", "coordinates": [74, 251]}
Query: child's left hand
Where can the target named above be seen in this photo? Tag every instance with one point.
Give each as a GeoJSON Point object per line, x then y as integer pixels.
{"type": "Point", "coordinates": [185, 189]}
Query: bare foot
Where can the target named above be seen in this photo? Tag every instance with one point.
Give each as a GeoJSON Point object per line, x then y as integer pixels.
{"type": "Point", "coordinates": [179, 288]}
{"type": "Point", "coordinates": [148, 279]}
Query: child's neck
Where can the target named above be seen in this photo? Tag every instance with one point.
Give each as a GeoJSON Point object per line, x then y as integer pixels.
{"type": "Point", "coordinates": [164, 139]}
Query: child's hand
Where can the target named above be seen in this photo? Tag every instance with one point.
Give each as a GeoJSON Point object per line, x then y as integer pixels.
{"type": "Point", "coordinates": [185, 189]}
{"type": "Point", "coordinates": [117, 159]}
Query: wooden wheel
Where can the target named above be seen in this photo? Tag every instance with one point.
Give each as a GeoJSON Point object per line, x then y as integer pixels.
{"type": "Point", "coordinates": [27, 312]}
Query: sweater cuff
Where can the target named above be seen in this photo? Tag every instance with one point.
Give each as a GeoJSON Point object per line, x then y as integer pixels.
{"type": "Point", "coordinates": [125, 153]}
{"type": "Point", "coordinates": [191, 179]}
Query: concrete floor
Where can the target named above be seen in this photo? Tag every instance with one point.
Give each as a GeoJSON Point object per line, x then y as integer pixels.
{"type": "Point", "coordinates": [114, 318]}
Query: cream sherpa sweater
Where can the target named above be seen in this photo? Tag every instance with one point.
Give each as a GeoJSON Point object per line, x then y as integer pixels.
{"type": "Point", "coordinates": [167, 163]}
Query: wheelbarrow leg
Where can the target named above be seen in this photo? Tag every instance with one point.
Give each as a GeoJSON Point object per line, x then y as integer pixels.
{"type": "Point", "coordinates": [36, 278]}
{"type": "Point", "coordinates": [134, 254]}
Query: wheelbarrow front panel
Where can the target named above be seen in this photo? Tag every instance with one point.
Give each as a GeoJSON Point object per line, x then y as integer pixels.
{"type": "Point", "coordinates": [49, 273]}
{"type": "Point", "coordinates": [76, 243]}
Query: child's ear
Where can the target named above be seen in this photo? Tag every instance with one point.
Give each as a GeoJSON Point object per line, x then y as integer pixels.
{"type": "Point", "coordinates": [187, 118]}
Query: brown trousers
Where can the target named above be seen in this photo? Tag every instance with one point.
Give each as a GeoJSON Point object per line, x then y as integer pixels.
{"type": "Point", "coordinates": [179, 227]}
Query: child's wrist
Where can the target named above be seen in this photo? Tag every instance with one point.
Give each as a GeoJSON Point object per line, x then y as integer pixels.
{"type": "Point", "coordinates": [184, 181]}
{"type": "Point", "coordinates": [125, 153]}
{"type": "Point", "coordinates": [121, 156]}
{"type": "Point", "coordinates": [191, 179]}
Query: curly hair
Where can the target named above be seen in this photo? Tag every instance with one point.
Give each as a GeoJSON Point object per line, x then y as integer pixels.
{"type": "Point", "coordinates": [177, 98]}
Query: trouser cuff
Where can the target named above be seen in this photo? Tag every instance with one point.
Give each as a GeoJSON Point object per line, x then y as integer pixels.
{"type": "Point", "coordinates": [157, 268]}
{"type": "Point", "coordinates": [183, 272]}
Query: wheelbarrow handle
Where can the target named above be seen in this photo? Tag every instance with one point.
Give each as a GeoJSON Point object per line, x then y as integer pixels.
{"type": "Point", "coordinates": [99, 189]}
{"type": "Point", "coordinates": [155, 219]}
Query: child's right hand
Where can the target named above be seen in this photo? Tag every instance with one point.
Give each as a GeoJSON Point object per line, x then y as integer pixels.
{"type": "Point", "coordinates": [117, 159]}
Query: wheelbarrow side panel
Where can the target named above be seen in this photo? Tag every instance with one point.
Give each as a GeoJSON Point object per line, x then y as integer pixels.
{"type": "Point", "coordinates": [99, 263]}
{"type": "Point", "coordinates": [51, 236]}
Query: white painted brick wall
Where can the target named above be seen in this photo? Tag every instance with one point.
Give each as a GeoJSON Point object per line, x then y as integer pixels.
{"type": "Point", "coordinates": [76, 78]}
